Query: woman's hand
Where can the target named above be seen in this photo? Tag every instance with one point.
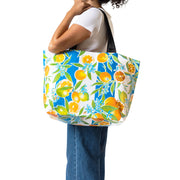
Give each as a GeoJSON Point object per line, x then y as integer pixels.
{"type": "Point", "coordinates": [79, 7]}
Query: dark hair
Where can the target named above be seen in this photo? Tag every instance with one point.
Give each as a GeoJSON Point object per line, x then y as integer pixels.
{"type": "Point", "coordinates": [116, 3]}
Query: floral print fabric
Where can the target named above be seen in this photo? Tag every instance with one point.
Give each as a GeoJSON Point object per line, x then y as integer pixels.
{"type": "Point", "coordinates": [88, 88]}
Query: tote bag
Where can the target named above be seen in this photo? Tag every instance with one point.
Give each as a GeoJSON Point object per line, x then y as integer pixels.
{"type": "Point", "coordinates": [89, 88]}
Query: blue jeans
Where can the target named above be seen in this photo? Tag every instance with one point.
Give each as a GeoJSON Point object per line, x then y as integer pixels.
{"type": "Point", "coordinates": [86, 152]}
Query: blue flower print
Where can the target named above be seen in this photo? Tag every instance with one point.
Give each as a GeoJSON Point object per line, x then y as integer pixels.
{"type": "Point", "coordinates": [109, 115]}
{"type": "Point", "coordinates": [84, 89]}
{"type": "Point", "coordinates": [120, 67]}
{"type": "Point", "coordinates": [98, 104]}
{"type": "Point", "coordinates": [62, 70]}
{"type": "Point", "coordinates": [89, 67]}
{"type": "Point", "coordinates": [106, 89]}
{"type": "Point", "coordinates": [89, 109]}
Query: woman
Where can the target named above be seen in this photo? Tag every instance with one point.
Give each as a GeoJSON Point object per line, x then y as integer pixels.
{"type": "Point", "coordinates": [85, 144]}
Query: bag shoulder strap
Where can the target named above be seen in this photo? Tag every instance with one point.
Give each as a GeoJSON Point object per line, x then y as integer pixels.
{"type": "Point", "coordinates": [111, 45]}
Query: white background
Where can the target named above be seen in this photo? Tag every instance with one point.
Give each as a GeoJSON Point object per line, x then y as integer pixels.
{"type": "Point", "coordinates": [144, 147]}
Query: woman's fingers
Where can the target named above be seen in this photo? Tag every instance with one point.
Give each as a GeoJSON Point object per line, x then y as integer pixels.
{"type": "Point", "coordinates": [80, 6]}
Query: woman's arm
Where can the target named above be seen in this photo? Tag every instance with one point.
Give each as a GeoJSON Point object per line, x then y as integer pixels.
{"type": "Point", "coordinates": [65, 37]}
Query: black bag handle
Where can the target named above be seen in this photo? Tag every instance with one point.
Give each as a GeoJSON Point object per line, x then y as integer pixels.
{"type": "Point", "coordinates": [111, 45]}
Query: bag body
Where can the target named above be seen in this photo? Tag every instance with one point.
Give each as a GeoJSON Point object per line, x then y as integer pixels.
{"type": "Point", "coordinates": [89, 88]}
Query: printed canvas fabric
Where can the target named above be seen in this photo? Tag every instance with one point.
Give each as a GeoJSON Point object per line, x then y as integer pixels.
{"type": "Point", "coordinates": [88, 88]}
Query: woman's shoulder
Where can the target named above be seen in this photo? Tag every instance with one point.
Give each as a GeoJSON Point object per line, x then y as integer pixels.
{"type": "Point", "coordinates": [93, 11]}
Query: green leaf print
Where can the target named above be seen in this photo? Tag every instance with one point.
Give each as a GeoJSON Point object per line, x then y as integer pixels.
{"type": "Point", "coordinates": [118, 85]}
{"type": "Point", "coordinates": [68, 76]}
{"type": "Point", "coordinates": [80, 112]}
{"type": "Point", "coordinates": [129, 82]}
{"type": "Point", "coordinates": [45, 105]}
{"type": "Point", "coordinates": [119, 93]}
{"type": "Point", "coordinates": [66, 54]}
{"type": "Point", "coordinates": [67, 66]}
{"type": "Point", "coordinates": [123, 56]}
{"type": "Point", "coordinates": [81, 53]}
{"type": "Point", "coordinates": [122, 115]}
{"type": "Point", "coordinates": [95, 64]}
{"type": "Point", "coordinates": [116, 59]}
{"type": "Point", "coordinates": [127, 66]}
{"type": "Point", "coordinates": [96, 90]}
{"type": "Point", "coordinates": [64, 117]}
{"type": "Point", "coordinates": [56, 71]}
{"type": "Point", "coordinates": [89, 75]}
{"type": "Point", "coordinates": [127, 73]}
{"type": "Point", "coordinates": [51, 103]}
{"type": "Point", "coordinates": [98, 83]}
{"type": "Point", "coordinates": [84, 122]}
{"type": "Point", "coordinates": [89, 116]}
{"type": "Point", "coordinates": [54, 58]}
{"type": "Point", "coordinates": [82, 115]}
{"type": "Point", "coordinates": [83, 86]}
{"type": "Point", "coordinates": [109, 66]}
{"type": "Point", "coordinates": [47, 88]}
{"type": "Point", "coordinates": [112, 88]}
{"type": "Point", "coordinates": [78, 64]}
{"type": "Point", "coordinates": [104, 116]}
{"type": "Point", "coordinates": [56, 78]}
{"type": "Point", "coordinates": [44, 56]}
{"type": "Point", "coordinates": [65, 88]}
{"type": "Point", "coordinates": [75, 122]}
{"type": "Point", "coordinates": [77, 85]}
{"type": "Point", "coordinates": [66, 105]}
{"type": "Point", "coordinates": [114, 117]}
{"type": "Point", "coordinates": [123, 97]}
{"type": "Point", "coordinates": [93, 104]}
{"type": "Point", "coordinates": [65, 62]}
{"type": "Point", "coordinates": [100, 89]}
{"type": "Point", "coordinates": [53, 64]}
{"type": "Point", "coordinates": [108, 108]}
{"type": "Point", "coordinates": [98, 73]}
{"type": "Point", "coordinates": [103, 98]}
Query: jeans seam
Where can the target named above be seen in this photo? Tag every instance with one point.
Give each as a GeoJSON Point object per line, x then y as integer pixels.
{"type": "Point", "coordinates": [100, 154]}
{"type": "Point", "coordinates": [75, 153]}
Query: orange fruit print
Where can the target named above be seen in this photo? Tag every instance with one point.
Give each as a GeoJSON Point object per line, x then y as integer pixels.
{"type": "Point", "coordinates": [46, 70]}
{"type": "Point", "coordinates": [105, 77]}
{"type": "Point", "coordinates": [111, 101]}
{"type": "Point", "coordinates": [97, 117]}
{"type": "Point", "coordinates": [60, 58]}
{"type": "Point", "coordinates": [73, 107]}
{"type": "Point", "coordinates": [87, 59]}
{"type": "Point", "coordinates": [80, 74]}
{"type": "Point", "coordinates": [75, 96]}
{"type": "Point", "coordinates": [102, 57]}
{"type": "Point", "coordinates": [131, 68]}
{"type": "Point", "coordinates": [119, 76]}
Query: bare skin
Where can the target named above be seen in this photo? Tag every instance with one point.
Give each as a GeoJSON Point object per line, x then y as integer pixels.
{"type": "Point", "coordinates": [65, 37]}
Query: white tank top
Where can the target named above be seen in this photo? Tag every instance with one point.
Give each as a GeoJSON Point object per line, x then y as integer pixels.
{"type": "Point", "coordinates": [93, 20]}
